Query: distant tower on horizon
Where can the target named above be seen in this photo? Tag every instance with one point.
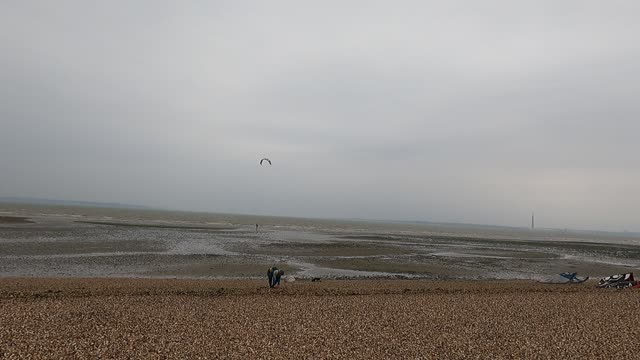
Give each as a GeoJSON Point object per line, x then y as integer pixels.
{"type": "Point", "coordinates": [532, 222]}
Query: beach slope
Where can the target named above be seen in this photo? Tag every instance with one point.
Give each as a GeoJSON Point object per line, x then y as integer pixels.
{"type": "Point", "coordinates": [160, 318]}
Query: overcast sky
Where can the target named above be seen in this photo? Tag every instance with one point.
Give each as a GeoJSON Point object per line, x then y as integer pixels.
{"type": "Point", "coordinates": [460, 111]}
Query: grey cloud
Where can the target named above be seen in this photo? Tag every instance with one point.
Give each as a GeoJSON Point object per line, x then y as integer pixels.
{"type": "Point", "coordinates": [456, 111]}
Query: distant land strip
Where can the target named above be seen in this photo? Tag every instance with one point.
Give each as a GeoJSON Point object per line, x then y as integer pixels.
{"type": "Point", "coordinates": [56, 202]}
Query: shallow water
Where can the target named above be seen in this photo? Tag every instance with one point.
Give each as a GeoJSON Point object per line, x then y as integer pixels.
{"type": "Point", "coordinates": [143, 243]}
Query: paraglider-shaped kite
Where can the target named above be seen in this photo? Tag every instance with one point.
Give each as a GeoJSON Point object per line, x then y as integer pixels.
{"type": "Point", "coordinates": [265, 159]}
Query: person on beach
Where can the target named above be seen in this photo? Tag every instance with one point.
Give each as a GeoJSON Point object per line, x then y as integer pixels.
{"type": "Point", "coordinates": [274, 275]}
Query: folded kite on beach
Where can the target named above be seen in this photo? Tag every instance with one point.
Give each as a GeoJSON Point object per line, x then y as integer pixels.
{"type": "Point", "coordinates": [565, 278]}
{"type": "Point", "coordinates": [573, 277]}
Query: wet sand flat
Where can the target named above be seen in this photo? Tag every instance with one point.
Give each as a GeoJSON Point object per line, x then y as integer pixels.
{"type": "Point", "coordinates": [14, 220]}
{"type": "Point", "coordinates": [143, 318]}
{"type": "Point", "coordinates": [327, 249]}
{"type": "Point", "coordinates": [86, 242]}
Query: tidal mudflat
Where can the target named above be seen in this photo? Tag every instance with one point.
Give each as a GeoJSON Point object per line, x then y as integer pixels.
{"type": "Point", "coordinates": [41, 241]}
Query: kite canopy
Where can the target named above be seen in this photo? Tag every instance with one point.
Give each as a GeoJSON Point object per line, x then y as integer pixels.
{"type": "Point", "coordinates": [265, 159]}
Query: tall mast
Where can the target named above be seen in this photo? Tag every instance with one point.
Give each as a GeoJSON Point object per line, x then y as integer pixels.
{"type": "Point", "coordinates": [532, 221]}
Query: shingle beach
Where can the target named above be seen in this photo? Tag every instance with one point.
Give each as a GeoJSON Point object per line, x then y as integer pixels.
{"type": "Point", "coordinates": [350, 319]}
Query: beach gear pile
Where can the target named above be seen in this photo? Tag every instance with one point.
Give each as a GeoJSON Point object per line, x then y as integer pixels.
{"type": "Point", "coordinates": [619, 281]}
